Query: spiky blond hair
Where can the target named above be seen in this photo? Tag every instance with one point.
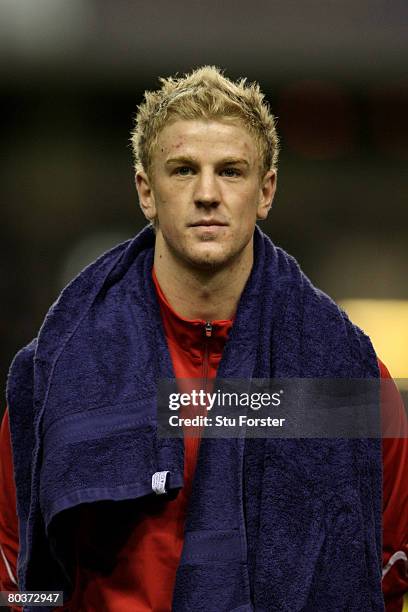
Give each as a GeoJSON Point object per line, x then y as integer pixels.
{"type": "Point", "coordinates": [205, 93]}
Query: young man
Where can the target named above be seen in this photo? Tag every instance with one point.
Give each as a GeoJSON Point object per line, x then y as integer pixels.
{"type": "Point", "coordinates": [121, 519]}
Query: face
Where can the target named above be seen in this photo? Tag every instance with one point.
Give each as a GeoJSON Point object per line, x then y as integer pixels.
{"type": "Point", "coordinates": [205, 191]}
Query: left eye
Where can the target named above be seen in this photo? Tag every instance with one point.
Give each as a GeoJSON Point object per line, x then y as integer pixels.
{"type": "Point", "coordinates": [231, 172]}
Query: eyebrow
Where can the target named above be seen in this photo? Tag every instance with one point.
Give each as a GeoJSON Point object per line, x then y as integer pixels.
{"type": "Point", "coordinates": [223, 162]}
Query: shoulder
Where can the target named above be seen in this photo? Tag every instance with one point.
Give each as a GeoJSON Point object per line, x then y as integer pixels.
{"type": "Point", "coordinates": [323, 324]}
{"type": "Point", "coordinates": [21, 371]}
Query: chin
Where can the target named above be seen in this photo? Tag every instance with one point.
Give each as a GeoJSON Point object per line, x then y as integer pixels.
{"type": "Point", "coordinates": [209, 258]}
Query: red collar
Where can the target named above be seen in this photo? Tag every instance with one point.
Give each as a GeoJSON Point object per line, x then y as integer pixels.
{"type": "Point", "coordinates": [189, 334]}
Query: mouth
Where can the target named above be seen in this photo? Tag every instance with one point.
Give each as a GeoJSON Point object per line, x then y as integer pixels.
{"type": "Point", "coordinates": [208, 223]}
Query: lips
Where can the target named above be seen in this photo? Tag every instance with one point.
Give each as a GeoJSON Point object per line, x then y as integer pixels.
{"type": "Point", "coordinates": [207, 223]}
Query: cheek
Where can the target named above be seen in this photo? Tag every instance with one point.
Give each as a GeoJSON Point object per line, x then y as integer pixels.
{"type": "Point", "coordinates": [170, 221]}
{"type": "Point", "coordinates": [248, 205]}
{"type": "Point", "coordinates": [169, 204]}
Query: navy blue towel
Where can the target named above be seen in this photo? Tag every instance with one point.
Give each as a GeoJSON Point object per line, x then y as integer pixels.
{"type": "Point", "coordinates": [272, 525]}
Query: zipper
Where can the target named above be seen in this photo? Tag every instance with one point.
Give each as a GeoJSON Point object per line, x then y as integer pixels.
{"type": "Point", "coordinates": [208, 330]}
{"type": "Point", "coordinates": [195, 442]}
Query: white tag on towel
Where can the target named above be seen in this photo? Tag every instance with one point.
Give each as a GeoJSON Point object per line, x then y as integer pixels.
{"type": "Point", "coordinates": [159, 482]}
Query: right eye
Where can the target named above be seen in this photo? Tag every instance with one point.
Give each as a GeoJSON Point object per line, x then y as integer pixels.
{"type": "Point", "coordinates": [183, 170]}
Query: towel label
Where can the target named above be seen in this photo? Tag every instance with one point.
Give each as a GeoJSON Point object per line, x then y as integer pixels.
{"type": "Point", "coordinates": [159, 482]}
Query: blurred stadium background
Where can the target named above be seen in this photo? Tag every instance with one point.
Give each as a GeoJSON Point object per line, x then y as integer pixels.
{"type": "Point", "coordinates": [72, 74]}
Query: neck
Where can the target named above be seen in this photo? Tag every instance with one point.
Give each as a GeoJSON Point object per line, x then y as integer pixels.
{"type": "Point", "coordinates": [196, 293]}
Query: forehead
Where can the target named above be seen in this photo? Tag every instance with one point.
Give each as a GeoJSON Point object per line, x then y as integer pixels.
{"type": "Point", "coordinates": [206, 139]}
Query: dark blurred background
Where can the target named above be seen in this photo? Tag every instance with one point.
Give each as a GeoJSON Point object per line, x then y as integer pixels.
{"type": "Point", "coordinates": [72, 73]}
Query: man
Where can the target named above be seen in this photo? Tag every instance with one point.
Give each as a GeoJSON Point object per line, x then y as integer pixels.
{"type": "Point", "coordinates": [121, 519]}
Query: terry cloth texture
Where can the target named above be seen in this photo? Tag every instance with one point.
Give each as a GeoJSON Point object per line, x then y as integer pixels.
{"type": "Point", "coordinates": [273, 524]}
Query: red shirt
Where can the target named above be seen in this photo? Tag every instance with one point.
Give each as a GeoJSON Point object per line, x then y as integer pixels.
{"type": "Point", "coordinates": [144, 575]}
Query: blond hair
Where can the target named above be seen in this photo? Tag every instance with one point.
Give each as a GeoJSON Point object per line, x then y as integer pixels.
{"type": "Point", "coordinates": [205, 93]}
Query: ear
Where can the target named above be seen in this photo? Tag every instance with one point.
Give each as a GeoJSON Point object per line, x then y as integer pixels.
{"type": "Point", "coordinates": [146, 195]}
{"type": "Point", "coordinates": [267, 193]}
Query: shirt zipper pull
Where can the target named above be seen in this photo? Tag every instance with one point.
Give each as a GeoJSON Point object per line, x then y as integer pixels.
{"type": "Point", "coordinates": [208, 330]}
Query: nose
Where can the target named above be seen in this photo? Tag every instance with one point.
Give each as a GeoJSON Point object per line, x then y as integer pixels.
{"type": "Point", "coordinates": [207, 193]}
